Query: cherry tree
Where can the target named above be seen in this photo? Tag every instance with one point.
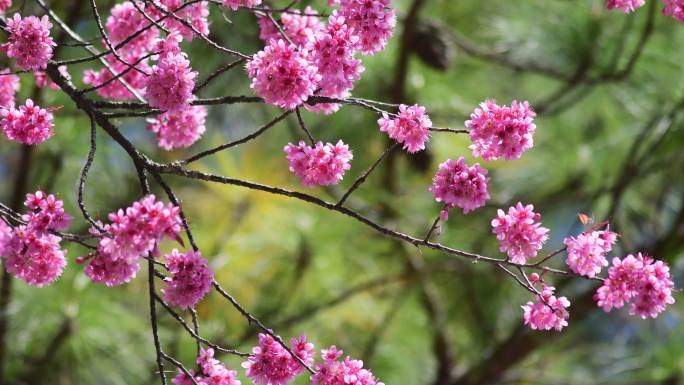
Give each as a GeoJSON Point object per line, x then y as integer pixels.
{"type": "Point", "coordinates": [310, 62]}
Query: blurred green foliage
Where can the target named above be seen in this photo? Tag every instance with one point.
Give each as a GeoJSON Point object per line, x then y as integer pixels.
{"type": "Point", "coordinates": [280, 256]}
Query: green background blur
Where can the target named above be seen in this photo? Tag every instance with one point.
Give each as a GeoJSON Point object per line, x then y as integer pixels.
{"type": "Point", "coordinates": [608, 147]}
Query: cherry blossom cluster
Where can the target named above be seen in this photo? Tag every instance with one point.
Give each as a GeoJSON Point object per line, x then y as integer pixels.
{"type": "Point", "coordinates": [124, 20]}
{"type": "Point", "coordinates": [271, 364]}
{"type": "Point", "coordinates": [29, 41]}
{"type": "Point", "coordinates": [133, 233]}
{"type": "Point", "coordinates": [322, 164]}
{"type": "Point", "coordinates": [190, 281]}
{"type": "Point", "coordinates": [548, 311]}
{"type": "Point", "coordinates": [9, 85]}
{"type": "Point", "coordinates": [411, 127]}
{"type": "Point", "coordinates": [29, 124]}
{"type": "Point", "coordinates": [625, 5]}
{"type": "Point", "coordinates": [211, 372]}
{"type": "Point", "coordinates": [333, 54]}
{"type": "Point", "coordinates": [283, 74]}
{"type": "Point", "coordinates": [31, 251]}
{"type": "Point", "coordinates": [459, 185]}
{"type": "Point", "coordinates": [171, 81]}
{"type": "Point", "coordinates": [674, 8]}
{"type": "Point", "coordinates": [587, 252]}
{"type": "Point", "coordinates": [519, 234]}
{"type": "Point", "coordinates": [373, 21]}
{"type": "Point", "coordinates": [4, 5]}
{"type": "Point", "coordinates": [319, 58]}
{"type": "Point", "coordinates": [180, 128]}
{"type": "Point", "coordinates": [640, 279]}
{"type": "Point", "coordinates": [501, 131]}
{"type": "Point", "coordinates": [105, 81]}
{"type": "Point", "coordinates": [346, 372]}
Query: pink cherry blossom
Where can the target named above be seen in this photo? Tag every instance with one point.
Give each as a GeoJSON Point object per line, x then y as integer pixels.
{"type": "Point", "coordinates": [548, 312]}
{"type": "Point", "coordinates": [9, 85]}
{"type": "Point", "coordinates": [29, 41]}
{"type": "Point", "coordinates": [35, 258]}
{"type": "Point", "coordinates": [171, 82]}
{"type": "Point", "coordinates": [47, 212]}
{"type": "Point", "coordinates": [132, 234]}
{"type": "Point", "coordinates": [111, 272]}
{"type": "Point", "coordinates": [674, 8]}
{"type": "Point", "coordinates": [501, 131]}
{"type": "Point", "coordinates": [30, 251]}
{"type": "Point", "coordinates": [587, 252]}
{"type": "Point", "coordinates": [625, 5]}
{"type": "Point", "coordinates": [297, 26]}
{"type": "Point", "coordinates": [348, 372]}
{"type": "Point", "coordinates": [457, 184]}
{"type": "Point", "coordinates": [333, 51]}
{"type": "Point", "coordinates": [411, 127]}
{"type": "Point", "coordinates": [190, 279]}
{"type": "Point", "coordinates": [271, 364]}
{"type": "Point", "coordinates": [179, 129]}
{"type": "Point", "coordinates": [235, 4]}
{"type": "Point", "coordinates": [373, 21]}
{"type": "Point", "coordinates": [42, 80]}
{"type": "Point", "coordinates": [29, 124]}
{"type": "Point", "coordinates": [4, 5]}
{"type": "Point", "coordinates": [283, 74]}
{"type": "Point", "coordinates": [640, 278]}
{"type": "Point", "coordinates": [519, 235]}
{"type": "Point", "coordinates": [114, 89]}
{"type": "Point", "coordinates": [212, 372]}
{"type": "Point", "coordinates": [125, 19]}
{"type": "Point", "coordinates": [194, 14]}
{"type": "Point", "coordinates": [322, 164]}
